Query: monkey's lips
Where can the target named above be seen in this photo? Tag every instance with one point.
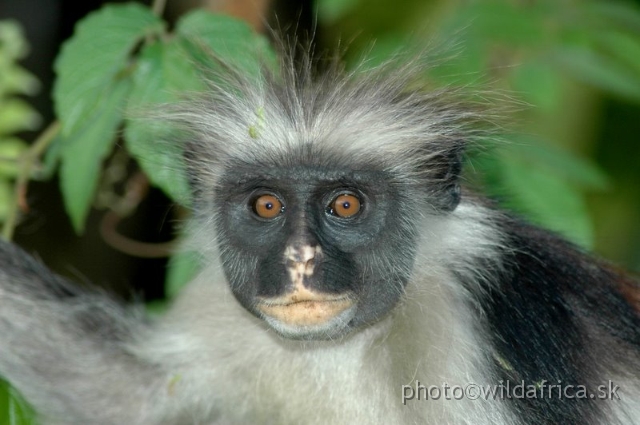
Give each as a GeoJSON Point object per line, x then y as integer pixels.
{"type": "Point", "coordinates": [304, 307]}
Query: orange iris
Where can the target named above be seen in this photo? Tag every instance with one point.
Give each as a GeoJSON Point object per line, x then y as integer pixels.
{"type": "Point", "coordinates": [346, 205]}
{"type": "Point", "coordinates": [267, 206]}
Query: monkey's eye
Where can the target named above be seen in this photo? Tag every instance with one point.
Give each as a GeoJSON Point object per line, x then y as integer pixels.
{"type": "Point", "coordinates": [267, 206]}
{"type": "Point", "coordinates": [345, 206]}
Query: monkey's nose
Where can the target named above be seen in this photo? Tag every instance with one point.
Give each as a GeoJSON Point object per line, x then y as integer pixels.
{"type": "Point", "coordinates": [300, 261]}
{"type": "Point", "coordinates": [303, 305]}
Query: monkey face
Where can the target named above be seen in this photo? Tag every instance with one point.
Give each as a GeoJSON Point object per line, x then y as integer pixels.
{"type": "Point", "coordinates": [314, 251]}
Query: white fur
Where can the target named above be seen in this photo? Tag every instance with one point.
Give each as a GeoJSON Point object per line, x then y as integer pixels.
{"type": "Point", "coordinates": [244, 373]}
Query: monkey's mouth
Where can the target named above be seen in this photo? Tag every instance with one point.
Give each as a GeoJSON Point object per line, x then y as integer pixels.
{"type": "Point", "coordinates": [304, 308]}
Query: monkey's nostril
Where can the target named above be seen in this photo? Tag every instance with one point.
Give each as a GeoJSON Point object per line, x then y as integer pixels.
{"type": "Point", "coordinates": [309, 265]}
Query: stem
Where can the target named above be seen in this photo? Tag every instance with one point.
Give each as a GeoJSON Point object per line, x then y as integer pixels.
{"type": "Point", "coordinates": [158, 7]}
{"type": "Point", "coordinates": [27, 161]}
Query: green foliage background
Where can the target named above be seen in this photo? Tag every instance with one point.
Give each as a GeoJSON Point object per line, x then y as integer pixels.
{"type": "Point", "coordinates": [562, 66]}
{"type": "Point", "coordinates": [573, 67]}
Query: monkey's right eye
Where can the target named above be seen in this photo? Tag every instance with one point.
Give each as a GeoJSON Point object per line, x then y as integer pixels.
{"type": "Point", "coordinates": [346, 205]}
{"type": "Point", "coordinates": [267, 206]}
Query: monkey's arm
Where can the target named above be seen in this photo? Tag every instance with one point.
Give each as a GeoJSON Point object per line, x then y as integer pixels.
{"type": "Point", "coordinates": [69, 349]}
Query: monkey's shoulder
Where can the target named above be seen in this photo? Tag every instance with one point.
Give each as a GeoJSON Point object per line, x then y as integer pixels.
{"type": "Point", "coordinates": [557, 314]}
{"type": "Point", "coordinates": [553, 297]}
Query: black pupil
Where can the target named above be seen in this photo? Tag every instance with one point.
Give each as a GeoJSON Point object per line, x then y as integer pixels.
{"type": "Point", "coordinates": [346, 205]}
{"type": "Point", "coordinates": [268, 205]}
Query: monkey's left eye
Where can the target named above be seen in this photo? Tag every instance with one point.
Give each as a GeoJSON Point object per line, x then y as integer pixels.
{"type": "Point", "coordinates": [267, 206]}
{"type": "Point", "coordinates": [345, 206]}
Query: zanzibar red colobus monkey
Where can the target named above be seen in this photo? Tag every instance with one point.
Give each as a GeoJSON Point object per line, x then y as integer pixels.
{"type": "Point", "coordinates": [347, 279]}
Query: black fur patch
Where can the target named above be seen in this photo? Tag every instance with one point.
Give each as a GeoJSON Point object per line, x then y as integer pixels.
{"type": "Point", "coordinates": [542, 316]}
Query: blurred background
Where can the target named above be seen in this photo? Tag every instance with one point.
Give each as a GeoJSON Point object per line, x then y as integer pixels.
{"type": "Point", "coordinates": [563, 76]}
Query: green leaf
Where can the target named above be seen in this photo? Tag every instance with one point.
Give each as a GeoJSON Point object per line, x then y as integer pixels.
{"type": "Point", "coordinates": [51, 160]}
{"type": "Point", "coordinates": [230, 39]}
{"type": "Point", "coordinates": [593, 68]}
{"type": "Point", "coordinates": [183, 267]}
{"type": "Point", "coordinates": [97, 54]}
{"type": "Point", "coordinates": [6, 197]}
{"type": "Point", "coordinates": [162, 75]}
{"type": "Point", "coordinates": [13, 43]}
{"type": "Point", "coordinates": [623, 47]}
{"type": "Point", "coordinates": [502, 21]}
{"type": "Point", "coordinates": [547, 200]}
{"type": "Point", "coordinates": [622, 13]}
{"type": "Point", "coordinates": [17, 115]}
{"type": "Point", "coordinates": [15, 80]}
{"type": "Point", "coordinates": [13, 409]}
{"type": "Point", "coordinates": [82, 153]}
{"type": "Point", "coordinates": [549, 157]}
{"type": "Point", "coordinates": [388, 47]}
{"type": "Point", "coordinates": [10, 150]}
{"type": "Point", "coordinates": [330, 11]}
{"type": "Point", "coordinates": [90, 93]}
{"type": "Point", "coordinates": [538, 83]}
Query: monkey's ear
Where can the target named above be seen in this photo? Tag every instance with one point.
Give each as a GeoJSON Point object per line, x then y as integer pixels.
{"type": "Point", "coordinates": [444, 177]}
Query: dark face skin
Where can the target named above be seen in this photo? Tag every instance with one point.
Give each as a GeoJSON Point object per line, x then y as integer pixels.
{"type": "Point", "coordinates": [313, 251]}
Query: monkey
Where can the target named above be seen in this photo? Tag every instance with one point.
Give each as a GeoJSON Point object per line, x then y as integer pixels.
{"type": "Point", "coordinates": [347, 277]}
